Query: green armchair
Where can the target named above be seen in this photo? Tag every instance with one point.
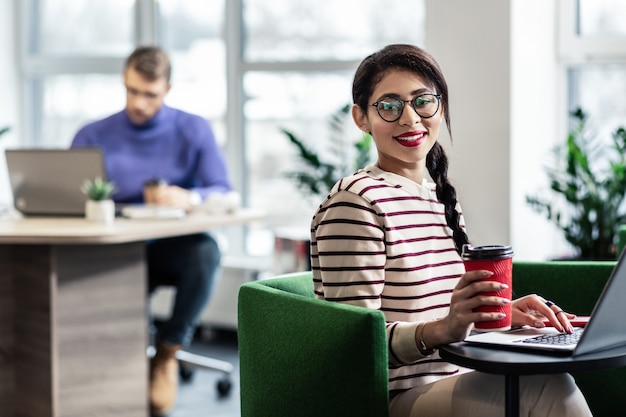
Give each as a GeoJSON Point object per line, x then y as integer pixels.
{"type": "Point", "coordinates": [300, 356]}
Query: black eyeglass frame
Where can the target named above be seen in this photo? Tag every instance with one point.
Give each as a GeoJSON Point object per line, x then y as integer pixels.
{"type": "Point", "coordinates": [412, 101]}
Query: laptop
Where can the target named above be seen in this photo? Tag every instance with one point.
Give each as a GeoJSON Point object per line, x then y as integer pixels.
{"type": "Point", "coordinates": [47, 182]}
{"type": "Point", "coordinates": [605, 328]}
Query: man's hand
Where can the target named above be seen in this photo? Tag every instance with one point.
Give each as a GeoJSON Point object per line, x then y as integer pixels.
{"type": "Point", "coordinates": [174, 196]}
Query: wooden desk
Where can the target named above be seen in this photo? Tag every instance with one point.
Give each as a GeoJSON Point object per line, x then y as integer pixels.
{"type": "Point", "coordinates": [73, 325]}
{"type": "Point", "coordinates": [512, 364]}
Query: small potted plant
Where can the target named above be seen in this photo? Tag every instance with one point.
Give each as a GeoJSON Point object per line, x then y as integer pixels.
{"type": "Point", "coordinates": [99, 206]}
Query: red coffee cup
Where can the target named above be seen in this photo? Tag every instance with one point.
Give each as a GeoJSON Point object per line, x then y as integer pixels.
{"type": "Point", "coordinates": [499, 260]}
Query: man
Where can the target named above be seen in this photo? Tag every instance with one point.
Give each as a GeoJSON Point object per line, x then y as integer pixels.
{"type": "Point", "coordinates": [146, 141]}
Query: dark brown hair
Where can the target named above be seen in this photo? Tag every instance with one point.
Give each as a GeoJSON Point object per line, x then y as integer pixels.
{"type": "Point", "coordinates": [151, 62]}
{"type": "Point", "coordinates": [411, 58]}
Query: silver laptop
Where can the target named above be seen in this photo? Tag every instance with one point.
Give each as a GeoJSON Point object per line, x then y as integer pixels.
{"type": "Point", "coordinates": [605, 329]}
{"type": "Point", "coordinates": [47, 182]}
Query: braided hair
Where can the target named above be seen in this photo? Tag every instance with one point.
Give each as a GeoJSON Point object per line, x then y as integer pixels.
{"type": "Point", "coordinates": [437, 165]}
{"type": "Point", "coordinates": [412, 58]}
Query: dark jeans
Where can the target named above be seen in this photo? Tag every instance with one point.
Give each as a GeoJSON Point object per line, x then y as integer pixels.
{"type": "Point", "coordinates": [190, 265]}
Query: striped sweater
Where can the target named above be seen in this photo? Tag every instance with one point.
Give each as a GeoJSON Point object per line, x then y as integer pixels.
{"type": "Point", "coordinates": [381, 241]}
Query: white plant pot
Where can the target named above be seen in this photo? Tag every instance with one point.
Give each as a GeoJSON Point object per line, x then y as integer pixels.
{"type": "Point", "coordinates": [100, 211]}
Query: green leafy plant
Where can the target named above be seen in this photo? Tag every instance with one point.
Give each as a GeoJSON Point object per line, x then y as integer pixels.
{"type": "Point", "coordinates": [98, 189]}
{"type": "Point", "coordinates": [319, 172]}
{"type": "Point", "coordinates": [589, 184]}
{"type": "Point", "coordinates": [4, 130]}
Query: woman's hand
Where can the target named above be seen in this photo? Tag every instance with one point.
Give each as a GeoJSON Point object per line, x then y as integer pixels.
{"type": "Point", "coordinates": [467, 295]}
{"type": "Point", "coordinates": [532, 309]}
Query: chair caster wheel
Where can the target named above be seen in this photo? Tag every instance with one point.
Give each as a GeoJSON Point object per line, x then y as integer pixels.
{"type": "Point", "coordinates": [186, 373]}
{"type": "Point", "coordinates": [223, 387]}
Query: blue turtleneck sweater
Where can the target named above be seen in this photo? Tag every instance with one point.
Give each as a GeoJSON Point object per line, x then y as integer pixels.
{"type": "Point", "coordinates": [175, 146]}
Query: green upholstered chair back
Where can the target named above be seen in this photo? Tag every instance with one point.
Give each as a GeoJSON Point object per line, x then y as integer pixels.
{"type": "Point", "coordinates": [300, 356]}
{"type": "Point", "coordinates": [573, 285]}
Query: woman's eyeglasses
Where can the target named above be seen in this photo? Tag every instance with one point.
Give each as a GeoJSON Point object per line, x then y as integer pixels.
{"type": "Point", "coordinates": [390, 109]}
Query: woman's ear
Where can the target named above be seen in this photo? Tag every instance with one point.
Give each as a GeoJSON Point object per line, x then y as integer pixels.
{"type": "Point", "coordinates": [360, 119]}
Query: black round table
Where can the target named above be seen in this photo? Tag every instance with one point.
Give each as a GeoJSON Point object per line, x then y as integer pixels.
{"type": "Point", "coordinates": [513, 363]}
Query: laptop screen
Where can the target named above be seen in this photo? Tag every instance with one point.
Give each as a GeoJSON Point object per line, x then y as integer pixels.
{"type": "Point", "coordinates": [607, 327]}
{"type": "Point", "coordinates": [48, 181]}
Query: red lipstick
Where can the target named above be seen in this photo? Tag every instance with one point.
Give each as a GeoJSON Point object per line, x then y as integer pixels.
{"type": "Point", "coordinates": [411, 139]}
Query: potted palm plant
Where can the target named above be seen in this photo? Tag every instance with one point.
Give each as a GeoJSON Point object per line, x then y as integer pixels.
{"type": "Point", "coordinates": [99, 206]}
{"type": "Point", "coordinates": [319, 171]}
{"type": "Point", "coordinates": [588, 185]}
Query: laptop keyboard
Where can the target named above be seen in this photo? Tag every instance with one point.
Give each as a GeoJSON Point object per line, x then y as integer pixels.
{"type": "Point", "coordinates": [557, 339]}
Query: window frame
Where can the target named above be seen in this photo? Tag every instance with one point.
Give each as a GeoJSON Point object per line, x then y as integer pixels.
{"type": "Point", "coordinates": [577, 50]}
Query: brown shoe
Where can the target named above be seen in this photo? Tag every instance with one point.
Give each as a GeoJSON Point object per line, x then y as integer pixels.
{"type": "Point", "coordinates": [163, 379]}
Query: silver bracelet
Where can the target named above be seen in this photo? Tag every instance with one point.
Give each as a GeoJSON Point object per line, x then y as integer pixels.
{"type": "Point", "coordinates": [421, 346]}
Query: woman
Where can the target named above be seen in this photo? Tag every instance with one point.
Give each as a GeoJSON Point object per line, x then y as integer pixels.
{"type": "Point", "coordinates": [388, 238]}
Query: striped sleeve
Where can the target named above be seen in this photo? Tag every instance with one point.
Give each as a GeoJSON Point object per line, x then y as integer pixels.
{"type": "Point", "coordinates": [348, 251]}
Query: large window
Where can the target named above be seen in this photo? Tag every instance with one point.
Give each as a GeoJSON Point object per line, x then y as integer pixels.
{"type": "Point", "coordinates": [74, 52]}
{"type": "Point", "coordinates": [593, 47]}
{"type": "Point", "coordinates": [292, 31]}
{"type": "Point", "coordinates": [601, 18]}
{"type": "Point", "coordinates": [80, 27]}
{"type": "Point", "coordinates": [250, 67]}
{"type": "Point", "coordinates": [299, 58]}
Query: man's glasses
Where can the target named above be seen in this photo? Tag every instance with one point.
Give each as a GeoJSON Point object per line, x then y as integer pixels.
{"type": "Point", "coordinates": [390, 109]}
{"type": "Point", "coordinates": [148, 95]}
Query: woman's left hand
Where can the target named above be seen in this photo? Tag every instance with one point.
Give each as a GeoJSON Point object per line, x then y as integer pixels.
{"type": "Point", "coordinates": [532, 310]}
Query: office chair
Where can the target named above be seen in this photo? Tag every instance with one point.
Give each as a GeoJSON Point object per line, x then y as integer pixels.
{"type": "Point", "coordinates": [189, 361]}
{"type": "Point", "coordinates": [235, 272]}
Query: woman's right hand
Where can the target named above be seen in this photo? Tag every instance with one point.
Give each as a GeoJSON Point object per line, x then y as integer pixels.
{"type": "Point", "coordinates": [467, 295]}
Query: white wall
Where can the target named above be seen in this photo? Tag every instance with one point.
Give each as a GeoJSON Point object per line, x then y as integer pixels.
{"type": "Point", "coordinates": [538, 122]}
{"type": "Point", "coordinates": [472, 47]}
{"type": "Point", "coordinates": [10, 102]}
{"type": "Point", "coordinates": [499, 59]}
